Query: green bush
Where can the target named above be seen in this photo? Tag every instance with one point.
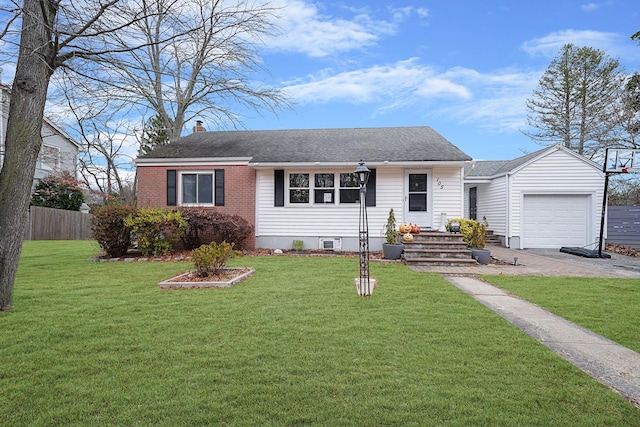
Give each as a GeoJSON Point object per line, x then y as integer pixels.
{"type": "Point", "coordinates": [208, 259]}
{"type": "Point", "coordinates": [109, 229]}
{"type": "Point", "coordinates": [58, 191]}
{"type": "Point", "coordinates": [206, 225]}
{"type": "Point", "coordinates": [156, 229]}
{"type": "Point", "coordinates": [473, 233]}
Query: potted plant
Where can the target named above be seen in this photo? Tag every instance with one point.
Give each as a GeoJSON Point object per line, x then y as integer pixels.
{"type": "Point", "coordinates": [478, 240]}
{"type": "Point", "coordinates": [474, 235]}
{"type": "Point", "coordinates": [391, 248]}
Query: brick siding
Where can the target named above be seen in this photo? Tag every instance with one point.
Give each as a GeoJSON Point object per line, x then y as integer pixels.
{"type": "Point", "coordinates": [239, 190]}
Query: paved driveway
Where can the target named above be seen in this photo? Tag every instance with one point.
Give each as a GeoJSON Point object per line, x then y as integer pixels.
{"type": "Point", "coordinates": [545, 262]}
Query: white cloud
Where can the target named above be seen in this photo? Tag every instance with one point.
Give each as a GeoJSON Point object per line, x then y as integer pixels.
{"type": "Point", "coordinates": [588, 7]}
{"type": "Point", "coordinates": [305, 29]}
{"type": "Point", "coordinates": [495, 101]}
{"type": "Point", "coordinates": [422, 12]}
{"type": "Point", "coordinates": [499, 102]}
{"type": "Point", "coordinates": [377, 84]}
{"type": "Point", "coordinates": [550, 45]}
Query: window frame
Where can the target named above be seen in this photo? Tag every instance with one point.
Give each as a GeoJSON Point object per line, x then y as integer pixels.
{"type": "Point", "coordinates": [181, 192]}
{"type": "Point", "coordinates": [49, 152]}
{"type": "Point", "coordinates": [336, 189]}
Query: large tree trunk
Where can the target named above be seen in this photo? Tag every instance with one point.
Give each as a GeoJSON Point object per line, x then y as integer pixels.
{"type": "Point", "coordinates": [23, 138]}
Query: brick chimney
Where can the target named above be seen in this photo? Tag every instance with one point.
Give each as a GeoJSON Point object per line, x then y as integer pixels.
{"type": "Point", "coordinates": [198, 127]}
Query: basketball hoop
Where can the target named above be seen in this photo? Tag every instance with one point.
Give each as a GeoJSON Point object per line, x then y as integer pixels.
{"type": "Point", "coordinates": [622, 160]}
{"type": "Point", "coordinates": [630, 170]}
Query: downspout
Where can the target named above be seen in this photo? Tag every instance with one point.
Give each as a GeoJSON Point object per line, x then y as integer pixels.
{"type": "Point", "coordinates": [508, 212]}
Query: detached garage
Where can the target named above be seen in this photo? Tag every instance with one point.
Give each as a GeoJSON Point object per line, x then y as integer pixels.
{"type": "Point", "coordinates": [552, 221]}
{"type": "Point", "coordinates": [547, 199]}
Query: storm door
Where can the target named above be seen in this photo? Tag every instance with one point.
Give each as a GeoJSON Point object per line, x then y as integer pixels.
{"type": "Point", "coordinates": [417, 200]}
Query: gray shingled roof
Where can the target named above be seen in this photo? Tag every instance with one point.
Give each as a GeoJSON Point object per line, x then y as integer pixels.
{"type": "Point", "coordinates": [420, 143]}
{"type": "Point", "coordinates": [488, 168]}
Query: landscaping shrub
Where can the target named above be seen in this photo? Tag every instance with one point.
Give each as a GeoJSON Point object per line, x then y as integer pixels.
{"type": "Point", "coordinates": [208, 259]}
{"type": "Point", "coordinates": [206, 225]}
{"type": "Point", "coordinates": [58, 191]}
{"type": "Point", "coordinates": [109, 229]}
{"type": "Point", "coordinates": [156, 229]}
{"type": "Point", "coordinates": [467, 227]}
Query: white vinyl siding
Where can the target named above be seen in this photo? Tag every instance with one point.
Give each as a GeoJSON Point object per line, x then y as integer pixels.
{"type": "Point", "coordinates": [492, 202]}
{"type": "Point", "coordinates": [447, 194]}
{"type": "Point", "coordinates": [557, 173]}
{"type": "Point", "coordinates": [341, 220]}
{"type": "Point", "coordinates": [59, 154]}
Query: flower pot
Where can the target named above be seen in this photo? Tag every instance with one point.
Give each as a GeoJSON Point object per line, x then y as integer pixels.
{"type": "Point", "coordinates": [483, 256]}
{"type": "Point", "coordinates": [392, 250]}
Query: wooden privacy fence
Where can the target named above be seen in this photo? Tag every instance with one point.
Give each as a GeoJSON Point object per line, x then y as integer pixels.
{"type": "Point", "coordinates": [623, 225]}
{"type": "Point", "coordinates": [57, 224]}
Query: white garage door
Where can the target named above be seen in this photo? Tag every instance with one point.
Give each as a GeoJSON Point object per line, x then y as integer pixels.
{"type": "Point", "coordinates": [553, 221]}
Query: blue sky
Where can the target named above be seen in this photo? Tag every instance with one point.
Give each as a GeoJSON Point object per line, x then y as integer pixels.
{"type": "Point", "coordinates": [465, 68]}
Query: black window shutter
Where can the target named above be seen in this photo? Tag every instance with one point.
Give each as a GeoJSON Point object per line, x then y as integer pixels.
{"type": "Point", "coordinates": [278, 194]}
{"type": "Point", "coordinates": [171, 187]}
{"type": "Point", "coordinates": [219, 187]}
{"type": "Point", "coordinates": [371, 189]}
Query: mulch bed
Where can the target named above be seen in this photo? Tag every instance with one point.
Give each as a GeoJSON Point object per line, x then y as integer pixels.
{"type": "Point", "coordinates": [137, 256]}
{"type": "Point", "coordinates": [222, 275]}
{"type": "Point", "coordinates": [182, 255]}
{"type": "Point", "coordinates": [623, 250]}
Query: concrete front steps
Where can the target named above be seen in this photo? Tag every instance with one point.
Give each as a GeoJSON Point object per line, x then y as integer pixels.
{"type": "Point", "coordinates": [492, 239]}
{"type": "Point", "coordinates": [437, 248]}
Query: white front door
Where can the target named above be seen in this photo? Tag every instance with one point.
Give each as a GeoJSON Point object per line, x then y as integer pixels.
{"type": "Point", "coordinates": [417, 198]}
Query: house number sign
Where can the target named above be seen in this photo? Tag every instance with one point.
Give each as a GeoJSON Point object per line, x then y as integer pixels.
{"type": "Point", "coordinates": [440, 184]}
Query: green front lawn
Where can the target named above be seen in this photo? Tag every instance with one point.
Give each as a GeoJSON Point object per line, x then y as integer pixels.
{"type": "Point", "coordinates": [609, 307]}
{"type": "Point", "coordinates": [90, 343]}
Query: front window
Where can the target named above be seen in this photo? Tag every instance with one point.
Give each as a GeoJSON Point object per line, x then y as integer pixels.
{"type": "Point", "coordinates": [323, 188]}
{"type": "Point", "coordinates": [299, 188]}
{"type": "Point", "coordinates": [197, 188]}
{"type": "Point", "coordinates": [349, 188]}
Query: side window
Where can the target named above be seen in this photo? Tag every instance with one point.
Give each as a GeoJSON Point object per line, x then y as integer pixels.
{"type": "Point", "coordinates": [299, 188]}
{"type": "Point", "coordinates": [197, 188]}
{"type": "Point", "coordinates": [49, 158]}
{"type": "Point", "coordinates": [349, 188]}
{"type": "Point", "coordinates": [324, 188]}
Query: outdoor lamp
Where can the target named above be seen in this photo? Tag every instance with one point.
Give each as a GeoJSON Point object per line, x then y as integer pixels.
{"type": "Point", "coordinates": [364, 282]}
{"type": "Point", "coordinates": [362, 173]}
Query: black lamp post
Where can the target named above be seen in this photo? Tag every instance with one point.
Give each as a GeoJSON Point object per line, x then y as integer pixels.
{"type": "Point", "coordinates": [364, 284]}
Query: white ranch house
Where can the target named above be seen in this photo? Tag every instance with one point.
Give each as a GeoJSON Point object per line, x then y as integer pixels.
{"type": "Point", "coordinates": [298, 185]}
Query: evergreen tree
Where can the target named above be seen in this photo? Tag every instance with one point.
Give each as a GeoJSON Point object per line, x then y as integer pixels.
{"type": "Point", "coordinates": [154, 135]}
{"type": "Point", "coordinates": [575, 101]}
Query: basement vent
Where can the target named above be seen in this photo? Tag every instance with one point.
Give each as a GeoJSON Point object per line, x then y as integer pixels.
{"type": "Point", "coordinates": [330, 243]}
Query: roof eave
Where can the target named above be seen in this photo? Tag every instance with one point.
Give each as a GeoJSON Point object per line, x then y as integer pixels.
{"type": "Point", "coordinates": [430, 163]}
{"type": "Point", "coordinates": [196, 161]}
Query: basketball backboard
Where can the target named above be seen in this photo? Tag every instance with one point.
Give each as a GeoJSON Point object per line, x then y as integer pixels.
{"type": "Point", "coordinates": [622, 160]}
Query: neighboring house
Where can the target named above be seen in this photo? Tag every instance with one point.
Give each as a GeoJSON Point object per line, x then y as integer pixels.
{"type": "Point", "coordinates": [59, 151]}
{"type": "Point", "coordinates": [299, 184]}
{"type": "Point", "coordinates": [547, 199]}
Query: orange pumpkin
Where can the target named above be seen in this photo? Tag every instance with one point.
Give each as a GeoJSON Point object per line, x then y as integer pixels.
{"type": "Point", "coordinates": [408, 237]}
{"type": "Point", "coordinates": [415, 229]}
{"type": "Point", "coordinates": [405, 228]}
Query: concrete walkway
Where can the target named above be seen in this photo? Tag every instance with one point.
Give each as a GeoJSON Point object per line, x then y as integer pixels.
{"type": "Point", "coordinates": [516, 262]}
{"type": "Point", "coordinates": [608, 362]}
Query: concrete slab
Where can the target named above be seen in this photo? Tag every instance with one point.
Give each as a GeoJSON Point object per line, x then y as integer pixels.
{"type": "Point", "coordinates": [608, 362]}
